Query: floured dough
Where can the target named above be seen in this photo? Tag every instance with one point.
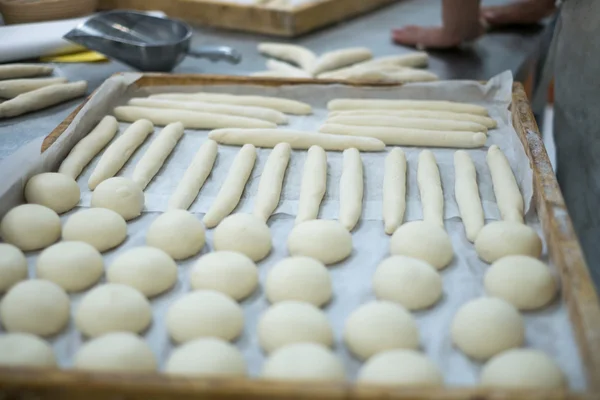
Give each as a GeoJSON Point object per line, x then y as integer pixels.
{"type": "Point", "coordinates": [430, 189]}
{"type": "Point", "coordinates": [87, 148]}
{"type": "Point", "coordinates": [204, 313]}
{"type": "Point", "coordinates": [121, 195]}
{"type": "Point", "coordinates": [504, 238]}
{"type": "Point", "coordinates": [25, 350]}
{"type": "Point", "coordinates": [325, 240]}
{"type": "Point", "coordinates": [304, 362]}
{"type": "Point", "coordinates": [466, 192]}
{"type": "Point", "coordinates": [30, 227]}
{"type": "Point", "coordinates": [271, 181]}
{"type": "Point", "coordinates": [74, 266]}
{"type": "Point", "coordinates": [147, 269]}
{"type": "Point", "coordinates": [36, 306]}
{"type": "Point", "coordinates": [523, 369]}
{"type": "Point", "coordinates": [487, 326]}
{"type": "Point", "coordinates": [121, 352]}
{"type": "Point", "coordinates": [351, 189]}
{"type": "Point", "coordinates": [314, 184]}
{"type": "Point", "coordinates": [377, 104]}
{"type": "Point", "coordinates": [228, 272]}
{"type": "Point", "coordinates": [424, 241]}
{"type": "Point", "coordinates": [13, 266]}
{"type": "Point", "coordinates": [119, 152]}
{"type": "Point", "coordinates": [102, 228]}
{"type": "Point", "coordinates": [394, 190]}
{"type": "Point", "coordinates": [401, 367]}
{"type": "Point", "coordinates": [379, 326]}
{"type": "Point", "coordinates": [207, 357]}
{"type": "Point", "coordinates": [408, 281]}
{"type": "Point", "coordinates": [112, 307]}
{"type": "Point", "coordinates": [299, 278]}
{"type": "Point", "coordinates": [244, 233]}
{"type": "Point", "coordinates": [233, 187]}
{"type": "Point", "coordinates": [523, 281]}
{"type": "Point", "coordinates": [508, 195]}
{"type": "Point", "coordinates": [53, 190]}
{"type": "Point", "coordinates": [293, 322]}
{"type": "Point", "coordinates": [178, 233]}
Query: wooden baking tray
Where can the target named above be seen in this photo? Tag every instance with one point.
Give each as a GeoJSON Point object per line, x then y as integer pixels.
{"type": "Point", "coordinates": [251, 18]}
{"type": "Point", "coordinates": [577, 291]}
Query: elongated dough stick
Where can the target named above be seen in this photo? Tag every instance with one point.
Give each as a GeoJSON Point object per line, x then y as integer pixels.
{"type": "Point", "coordinates": [394, 190]}
{"type": "Point", "coordinates": [274, 65]}
{"type": "Point", "coordinates": [341, 58]}
{"type": "Point", "coordinates": [269, 138]}
{"type": "Point", "coordinates": [86, 149]}
{"type": "Point", "coordinates": [189, 119]}
{"type": "Point", "coordinates": [378, 104]}
{"type": "Point", "coordinates": [231, 191]}
{"type": "Point", "coordinates": [314, 184]}
{"type": "Point", "coordinates": [284, 105]}
{"type": "Point", "coordinates": [351, 189]}
{"type": "Point", "coordinates": [298, 55]}
{"type": "Point", "coordinates": [12, 71]}
{"type": "Point", "coordinates": [194, 177]}
{"type": "Point", "coordinates": [488, 122]}
{"type": "Point", "coordinates": [157, 153]}
{"type": "Point", "coordinates": [410, 137]}
{"type": "Point", "coordinates": [412, 60]}
{"type": "Point", "coordinates": [14, 87]}
{"type": "Point", "coordinates": [389, 75]}
{"type": "Point", "coordinates": [274, 74]}
{"type": "Point", "coordinates": [414, 123]}
{"type": "Point", "coordinates": [271, 181]}
{"type": "Point", "coordinates": [117, 154]}
{"type": "Point", "coordinates": [266, 114]}
{"type": "Point", "coordinates": [466, 192]}
{"type": "Point", "coordinates": [508, 195]}
{"type": "Point", "coordinates": [430, 188]}
{"type": "Point", "coordinates": [42, 98]}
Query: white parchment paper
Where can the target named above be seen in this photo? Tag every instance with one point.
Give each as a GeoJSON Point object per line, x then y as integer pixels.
{"type": "Point", "coordinates": [548, 330]}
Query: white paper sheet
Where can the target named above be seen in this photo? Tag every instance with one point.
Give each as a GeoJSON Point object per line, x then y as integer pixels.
{"type": "Point", "coordinates": [548, 329]}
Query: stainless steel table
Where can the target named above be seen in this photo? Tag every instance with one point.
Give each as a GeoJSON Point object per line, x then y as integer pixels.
{"type": "Point", "coordinates": [496, 52]}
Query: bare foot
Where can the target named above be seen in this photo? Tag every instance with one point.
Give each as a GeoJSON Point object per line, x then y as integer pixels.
{"type": "Point", "coordinates": [523, 12]}
{"type": "Point", "coordinates": [431, 37]}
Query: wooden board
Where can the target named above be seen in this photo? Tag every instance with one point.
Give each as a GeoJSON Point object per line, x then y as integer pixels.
{"type": "Point", "coordinates": [577, 290]}
{"type": "Point", "coordinates": [251, 18]}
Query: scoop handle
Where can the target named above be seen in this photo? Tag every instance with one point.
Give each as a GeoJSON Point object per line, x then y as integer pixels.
{"type": "Point", "coordinates": [216, 53]}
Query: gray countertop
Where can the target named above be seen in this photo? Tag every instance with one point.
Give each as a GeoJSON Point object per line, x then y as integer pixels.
{"type": "Point", "coordinates": [494, 53]}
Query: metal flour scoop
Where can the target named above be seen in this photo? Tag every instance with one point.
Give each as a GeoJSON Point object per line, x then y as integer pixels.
{"type": "Point", "coordinates": [143, 41]}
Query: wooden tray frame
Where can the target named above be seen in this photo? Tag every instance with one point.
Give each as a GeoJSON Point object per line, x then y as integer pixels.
{"type": "Point", "coordinates": [257, 19]}
{"type": "Point", "coordinates": [577, 290]}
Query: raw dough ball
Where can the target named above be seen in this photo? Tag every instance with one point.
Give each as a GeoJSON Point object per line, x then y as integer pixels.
{"type": "Point", "coordinates": [244, 233]}
{"type": "Point", "coordinates": [425, 241]}
{"type": "Point", "coordinates": [147, 269]}
{"type": "Point", "coordinates": [325, 240]}
{"type": "Point", "coordinates": [379, 326]}
{"type": "Point", "coordinates": [121, 195]}
{"type": "Point", "coordinates": [178, 233]}
{"type": "Point", "coordinates": [207, 357]}
{"type": "Point", "coordinates": [13, 266]}
{"type": "Point", "coordinates": [293, 322]}
{"type": "Point", "coordinates": [523, 281]}
{"type": "Point", "coordinates": [204, 313]}
{"type": "Point", "coordinates": [102, 228]}
{"type": "Point", "coordinates": [30, 227]}
{"type": "Point", "coordinates": [25, 350]}
{"type": "Point", "coordinates": [227, 272]}
{"type": "Point", "coordinates": [522, 369]}
{"type": "Point", "coordinates": [112, 308]}
{"type": "Point", "coordinates": [74, 266]}
{"type": "Point", "coordinates": [411, 282]}
{"type": "Point", "coordinates": [401, 368]}
{"type": "Point", "coordinates": [487, 326]}
{"type": "Point", "coordinates": [118, 351]}
{"type": "Point", "coordinates": [53, 190]}
{"type": "Point", "coordinates": [299, 278]}
{"type": "Point", "coordinates": [505, 238]}
{"type": "Point", "coordinates": [304, 361]}
{"type": "Point", "coordinates": [35, 306]}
